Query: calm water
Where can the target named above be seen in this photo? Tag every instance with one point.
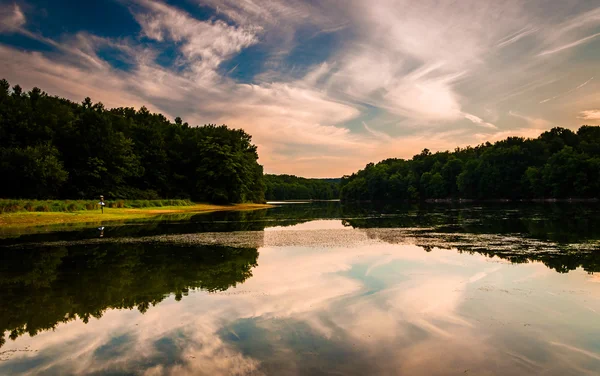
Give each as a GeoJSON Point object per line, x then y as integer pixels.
{"type": "Point", "coordinates": [309, 289]}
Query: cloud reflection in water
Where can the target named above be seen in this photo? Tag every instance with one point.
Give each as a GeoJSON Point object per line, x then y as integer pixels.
{"type": "Point", "coordinates": [354, 303]}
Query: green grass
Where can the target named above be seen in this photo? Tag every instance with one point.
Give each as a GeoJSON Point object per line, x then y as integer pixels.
{"type": "Point", "coordinates": [69, 206]}
{"type": "Point", "coordinates": [17, 221]}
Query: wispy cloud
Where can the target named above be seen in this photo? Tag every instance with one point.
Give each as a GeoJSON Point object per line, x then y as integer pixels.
{"type": "Point", "coordinates": [397, 75]}
{"type": "Point", "coordinates": [589, 115]}
{"type": "Point", "coordinates": [517, 36]}
{"type": "Point", "coordinates": [205, 44]}
{"type": "Point", "coordinates": [377, 134]}
{"type": "Point", "coordinates": [535, 123]}
{"type": "Point", "coordinates": [567, 92]}
{"type": "Point", "coordinates": [569, 45]}
{"type": "Point", "coordinates": [11, 18]}
{"type": "Point", "coordinates": [585, 83]}
{"type": "Point", "coordinates": [479, 121]}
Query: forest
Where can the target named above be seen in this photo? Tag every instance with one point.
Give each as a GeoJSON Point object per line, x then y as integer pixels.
{"type": "Point", "coordinates": [290, 187]}
{"type": "Point", "coordinates": [559, 164]}
{"type": "Point", "coordinates": [51, 147]}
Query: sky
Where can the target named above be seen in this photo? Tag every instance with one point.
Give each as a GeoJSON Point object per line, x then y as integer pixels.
{"type": "Point", "coordinates": [323, 86]}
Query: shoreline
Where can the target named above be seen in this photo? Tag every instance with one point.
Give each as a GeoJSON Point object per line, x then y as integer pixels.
{"type": "Point", "coordinates": [480, 201]}
{"type": "Point", "coordinates": [508, 200]}
{"type": "Point", "coordinates": [21, 220]}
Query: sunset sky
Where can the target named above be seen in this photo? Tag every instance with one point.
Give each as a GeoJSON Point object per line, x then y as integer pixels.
{"type": "Point", "coordinates": [324, 87]}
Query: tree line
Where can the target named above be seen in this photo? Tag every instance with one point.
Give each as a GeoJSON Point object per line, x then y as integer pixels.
{"type": "Point", "coordinates": [290, 187]}
{"type": "Point", "coordinates": [51, 147]}
{"type": "Point", "coordinates": [558, 164]}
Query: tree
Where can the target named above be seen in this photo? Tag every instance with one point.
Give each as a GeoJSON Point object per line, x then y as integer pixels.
{"type": "Point", "coordinates": [34, 171]}
{"type": "Point", "coordinates": [77, 150]}
{"type": "Point", "coordinates": [559, 163]}
{"type": "Point", "coordinates": [290, 187]}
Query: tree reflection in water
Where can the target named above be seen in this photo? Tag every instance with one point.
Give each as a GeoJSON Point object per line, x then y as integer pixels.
{"type": "Point", "coordinates": [42, 287]}
{"type": "Point", "coordinates": [83, 276]}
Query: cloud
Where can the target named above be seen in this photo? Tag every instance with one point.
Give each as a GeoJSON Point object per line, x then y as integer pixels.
{"type": "Point", "coordinates": [410, 58]}
{"type": "Point", "coordinates": [567, 92]}
{"type": "Point", "coordinates": [277, 13]}
{"type": "Point", "coordinates": [535, 123]}
{"type": "Point", "coordinates": [423, 99]}
{"type": "Point", "coordinates": [585, 83]}
{"type": "Point", "coordinates": [291, 285]}
{"type": "Point", "coordinates": [377, 134]}
{"type": "Point", "coordinates": [477, 120]}
{"type": "Point", "coordinates": [392, 308]}
{"type": "Point", "coordinates": [549, 99]}
{"type": "Point", "coordinates": [279, 23]}
{"type": "Point", "coordinates": [589, 115]}
{"type": "Point", "coordinates": [569, 45]}
{"type": "Point", "coordinates": [572, 32]}
{"type": "Point", "coordinates": [11, 18]}
{"type": "Point", "coordinates": [415, 72]}
{"type": "Point", "coordinates": [517, 36]}
{"type": "Point", "coordinates": [204, 44]}
{"type": "Point", "coordinates": [583, 21]}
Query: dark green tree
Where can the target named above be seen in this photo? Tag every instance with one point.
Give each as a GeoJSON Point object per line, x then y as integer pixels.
{"type": "Point", "coordinates": [54, 148]}
{"type": "Point", "coordinates": [558, 164]}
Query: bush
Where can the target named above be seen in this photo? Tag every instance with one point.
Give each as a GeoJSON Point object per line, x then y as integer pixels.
{"type": "Point", "coordinates": [10, 208]}
{"type": "Point", "coordinates": [116, 204]}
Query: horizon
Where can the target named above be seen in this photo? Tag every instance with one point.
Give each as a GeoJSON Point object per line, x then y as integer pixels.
{"type": "Point", "coordinates": [322, 88]}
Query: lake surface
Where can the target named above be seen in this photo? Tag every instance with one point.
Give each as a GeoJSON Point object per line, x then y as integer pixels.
{"type": "Point", "coordinates": [309, 289]}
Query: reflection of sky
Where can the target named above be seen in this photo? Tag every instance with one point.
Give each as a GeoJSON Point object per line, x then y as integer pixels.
{"type": "Point", "coordinates": [319, 224]}
{"type": "Point", "coordinates": [369, 308]}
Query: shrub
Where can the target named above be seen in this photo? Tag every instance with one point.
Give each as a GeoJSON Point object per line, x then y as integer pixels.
{"type": "Point", "coordinates": [10, 208]}
{"type": "Point", "coordinates": [57, 206]}
{"type": "Point", "coordinates": [116, 204]}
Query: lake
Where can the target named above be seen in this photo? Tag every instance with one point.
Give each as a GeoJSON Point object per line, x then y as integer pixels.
{"type": "Point", "coordinates": [309, 289]}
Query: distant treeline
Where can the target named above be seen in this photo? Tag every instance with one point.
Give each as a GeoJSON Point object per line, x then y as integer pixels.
{"type": "Point", "coordinates": [558, 164]}
{"type": "Point", "coordinates": [51, 147]}
{"type": "Point", "coordinates": [290, 187]}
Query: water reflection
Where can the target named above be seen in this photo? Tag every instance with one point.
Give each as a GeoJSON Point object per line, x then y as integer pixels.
{"type": "Point", "coordinates": [425, 293]}
{"type": "Point", "coordinates": [46, 286]}
{"type": "Point", "coordinates": [562, 223]}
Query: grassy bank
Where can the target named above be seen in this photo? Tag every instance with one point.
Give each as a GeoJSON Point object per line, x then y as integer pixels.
{"type": "Point", "coordinates": [42, 206]}
{"type": "Point", "coordinates": [24, 218]}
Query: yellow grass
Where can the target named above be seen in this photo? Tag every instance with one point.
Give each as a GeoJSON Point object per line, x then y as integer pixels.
{"type": "Point", "coordinates": [25, 219]}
